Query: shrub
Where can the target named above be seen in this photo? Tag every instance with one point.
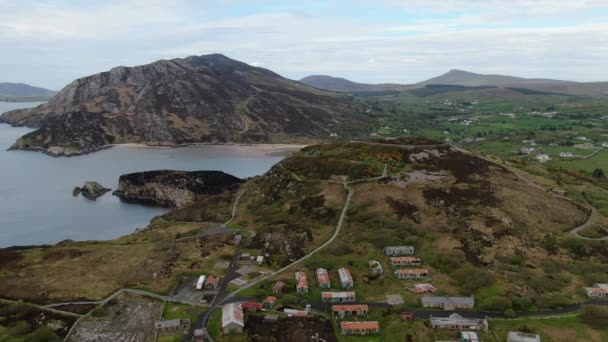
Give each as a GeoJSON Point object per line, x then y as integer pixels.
{"type": "Point", "coordinates": [496, 303]}
{"type": "Point", "coordinates": [471, 279]}
{"type": "Point", "coordinates": [44, 334]}
{"type": "Point", "coordinates": [522, 303]}
{"type": "Point", "coordinates": [510, 313]}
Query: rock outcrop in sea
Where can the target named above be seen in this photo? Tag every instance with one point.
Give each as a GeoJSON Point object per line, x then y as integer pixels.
{"type": "Point", "coordinates": [91, 190]}
{"type": "Point", "coordinates": [174, 189]}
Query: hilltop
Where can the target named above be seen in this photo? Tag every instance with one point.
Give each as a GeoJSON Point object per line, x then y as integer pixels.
{"type": "Point", "coordinates": [199, 99]}
{"type": "Point", "coordinates": [341, 84]}
{"type": "Point", "coordinates": [23, 92]}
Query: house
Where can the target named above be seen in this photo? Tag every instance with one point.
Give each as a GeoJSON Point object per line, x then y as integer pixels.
{"type": "Point", "coordinates": [346, 279]}
{"type": "Point", "coordinates": [259, 260]}
{"type": "Point", "coordinates": [412, 273]}
{"type": "Point", "coordinates": [200, 282]}
{"type": "Point", "coordinates": [269, 302]}
{"type": "Point", "coordinates": [582, 138]}
{"type": "Point", "coordinates": [399, 250]}
{"type": "Point", "coordinates": [212, 283]}
{"type": "Point", "coordinates": [423, 288]}
{"type": "Point", "coordinates": [525, 150]}
{"type": "Point", "coordinates": [516, 336]}
{"type": "Point", "coordinates": [565, 154]}
{"type": "Point", "coordinates": [245, 257]}
{"type": "Point", "coordinates": [338, 297]}
{"type": "Point", "coordinates": [597, 291]}
{"type": "Point", "coordinates": [251, 306]}
{"type": "Point", "coordinates": [301, 282]}
{"type": "Point", "coordinates": [605, 144]}
{"type": "Point", "coordinates": [543, 157]}
{"type": "Point", "coordinates": [468, 336]}
{"type": "Point", "coordinates": [375, 268]}
{"type": "Point", "coordinates": [405, 261]}
{"type": "Point", "coordinates": [448, 303]}
{"type": "Point", "coordinates": [360, 328]}
{"type": "Point", "coordinates": [559, 192]}
{"type": "Point", "coordinates": [295, 313]}
{"type": "Point", "coordinates": [457, 322]}
{"type": "Point", "coordinates": [349, 310]}
{"type": "Point", "coordinates": [323, 278]}
{"type": "Point", "coordinates": [232, 319]}
{"type": "Point", "coordinates": [237, 239]}
{"type": "Point", "coordinates": [199, 335]}
{"type": "Point", "coordinates": [278, 287]}
{"type": "Point", "coordinates": [172, 326]}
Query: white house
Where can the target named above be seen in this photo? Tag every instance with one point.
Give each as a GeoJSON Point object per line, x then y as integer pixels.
{"type": "Point", "coordinates": [565, 154]}
{"type": "Point", "coordinates": [232, 319]}
{"type": "Point", "coordinates": [200, 282]}
{"type": "Point", "coordinates": [543, 157]}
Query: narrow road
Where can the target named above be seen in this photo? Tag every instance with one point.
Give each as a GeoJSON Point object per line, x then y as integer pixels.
{"type": "Point", "coordinates": [43, 308]}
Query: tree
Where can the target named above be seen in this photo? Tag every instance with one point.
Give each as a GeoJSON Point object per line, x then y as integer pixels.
{"type": "Point", "coordinates": [510, 313]}
{"type": "Point", "coordinates": [598, 173]}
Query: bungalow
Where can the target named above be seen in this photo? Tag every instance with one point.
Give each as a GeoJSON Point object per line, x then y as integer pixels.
{"type": "Point", "coordinates": [516, 336]}
{"type": "Point", "coordinates": [360, 328]}
{"type": "Point", "coordinates": [295, 313]}
{"type": "Point", "coordinates": [251, 306]}
{"type": "Point", "coordinates": [375, 268]}
{"type": "Point", "coordinates": [468, 336]}
{"type": "Point", "coordinates": [278, 287]}
{"type": "Point", "coordinates": [346, 279]}
{"type": "Point", "coordinates": [543, 157]}
{"type": "Point", "coordinates": [323, 278]}
{"type": "Point", "coordinates": [457, 322]}
{"type": "Point", "coordinates": [301, 282]}
{"type": "Point", "coordinates": [448, 303]}
{"type": "Point", "coordinates": [269, 302]}
{"type": "Point", "coordinates": [232, 319]}
{"type": "Point", "coordinates": [172, 326]}
{"type": "Point", "coordinates": [412, 273]}
{"type": "Point", "coordinates": [597, 291]}
{"type": "Point", "coordinates": [399, 250]}
{"type": "Point", "coordinates": [349, 309]}
{"type": "Point", "coordinates": [605, 144]}
{"type": "Point", "coordinates": [338, 297]}
{"type": "Point", "coordinates": [423, 288]}
{"type": "Point", "coordinates": [405, 261]}
{"type": "Point", "coordinates": [565, 154]}
{"type": "Point", "coordinates": [200, 282]}
{"type": "Point", "coordinates": [212, 283]}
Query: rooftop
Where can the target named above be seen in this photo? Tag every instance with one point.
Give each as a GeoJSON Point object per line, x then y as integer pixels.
{"type": "Point", "coordinates": [412, 271]}
{"type": "Point", "coordinates": [232, 313]}
{"type": "Point", "coordinates": [443, 300]}
{"type": "Point", "coordinates": [359, 325]}
{"type": "Point", "coordinates": [350, 307]}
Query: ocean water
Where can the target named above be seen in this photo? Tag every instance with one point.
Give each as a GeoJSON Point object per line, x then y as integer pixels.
{"type": "Point", "coordinates": [36, 202]}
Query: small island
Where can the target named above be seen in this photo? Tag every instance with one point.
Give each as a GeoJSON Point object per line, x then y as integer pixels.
{"type": "Point", "coordinates": [91, 190]}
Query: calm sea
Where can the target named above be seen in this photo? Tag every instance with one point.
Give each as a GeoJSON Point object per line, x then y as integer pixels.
{"type": "Point", "coordinates": [36, 203]}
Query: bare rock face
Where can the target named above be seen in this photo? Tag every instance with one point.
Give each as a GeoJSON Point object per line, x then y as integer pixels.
{"type": "Point", "coordinates": [206, 99]}
{"type": "Point", "coordinates": [90, 190]}
{"type": "Point", "coordinates": [174, 188]}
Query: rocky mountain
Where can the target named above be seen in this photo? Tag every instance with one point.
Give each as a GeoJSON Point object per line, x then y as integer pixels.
{"type": "Point", "coordinates": [15, 91]}
{"type": "Point", "coordinates": [174, 188]}
{"type": "Point", "coordinates": [341, 84]}
{"type": "Point", "coordinates": [199, 99]}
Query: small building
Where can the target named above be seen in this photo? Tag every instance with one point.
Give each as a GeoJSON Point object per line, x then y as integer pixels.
{"type": "Point", "coordinates": [597, 291]}
{"type": "Point", "coordinates": [245, 257]}
{"type": "Point", "coordinates": [278, 287]}
{"type": "Point", "coordinates": [360, 328]}
{"type": "Point", "coordinates": [251, 306]}
{"type": "Point", "coordinates": [448, 303]}
{"type": "Point", "coordinates": [405, 261]}
{"type": "Point", "coordinates": [468, 336]}
{"type": "Point", "coordinates": [457, 322]}
{"type": "Point", "coordinates": [172, 326]}
{"type": "Point", "coordinates": [237, 239]}
{"type": "Point", "coordinates": [269, 302]}
{"type": "Point", "coordinates": [295, 313]}
{"type": "Point", "coordinates": [516, 336]}
{"type": "Point", "coordinates": [323, 278]}
{"type": "Point", "coordinates": [375, 268]}
{"type": "Point", "coordinates": [212, 283]}
{"type": "Point", "coordinates": [338, 297]}
{"type": "Point", "coordinates": [301, 282]}
{"type": "Point", "coordinates": [343, 310]}
{"type": "Point", "coordinates": [232, 319]}
{"type": "Point", "coordinates": [559, 192]}
{"type": "Point", "coordinates": [412, 273]}
{"type": "Point", "coordinates": [259, 260]}
{"type": "Point", "coordinates": [346, 279]}
{"type": "Point", "coordinates": [565, 154]}
{"type": "Point", "coordinates": [399, 250]}
{"type": "Point", "coordinates": [423, 288]}
{"type": "Point", "coordinates": [200, 283]}
{"type": "Point", "coordinates": [543, 157]}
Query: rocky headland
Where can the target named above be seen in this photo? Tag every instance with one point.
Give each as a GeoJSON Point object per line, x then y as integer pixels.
{"type": "Point", "coordinates": [91, 190]}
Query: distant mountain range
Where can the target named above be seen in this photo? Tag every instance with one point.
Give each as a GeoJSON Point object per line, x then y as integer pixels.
{"type": "Point", "coordinates": [199, 99]}
{"type": "Point", "coordinates": [464, 78]}
{"type": "Point", "coordinates": [21, 91]}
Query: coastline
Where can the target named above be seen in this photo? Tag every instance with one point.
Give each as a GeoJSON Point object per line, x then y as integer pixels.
{"type": "Point", "coordinates": [263, 149]}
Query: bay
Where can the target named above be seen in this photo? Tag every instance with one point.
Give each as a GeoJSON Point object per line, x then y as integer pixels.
{"type": "Point", "coordinates": [36, 202]}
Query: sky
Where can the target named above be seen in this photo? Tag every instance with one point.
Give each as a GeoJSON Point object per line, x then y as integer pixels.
{"type": "Point", "coordinates": [51, 43]}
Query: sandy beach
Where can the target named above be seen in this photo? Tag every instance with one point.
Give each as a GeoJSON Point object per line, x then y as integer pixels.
{"type": "Point", "coordinates": [249, 149]}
